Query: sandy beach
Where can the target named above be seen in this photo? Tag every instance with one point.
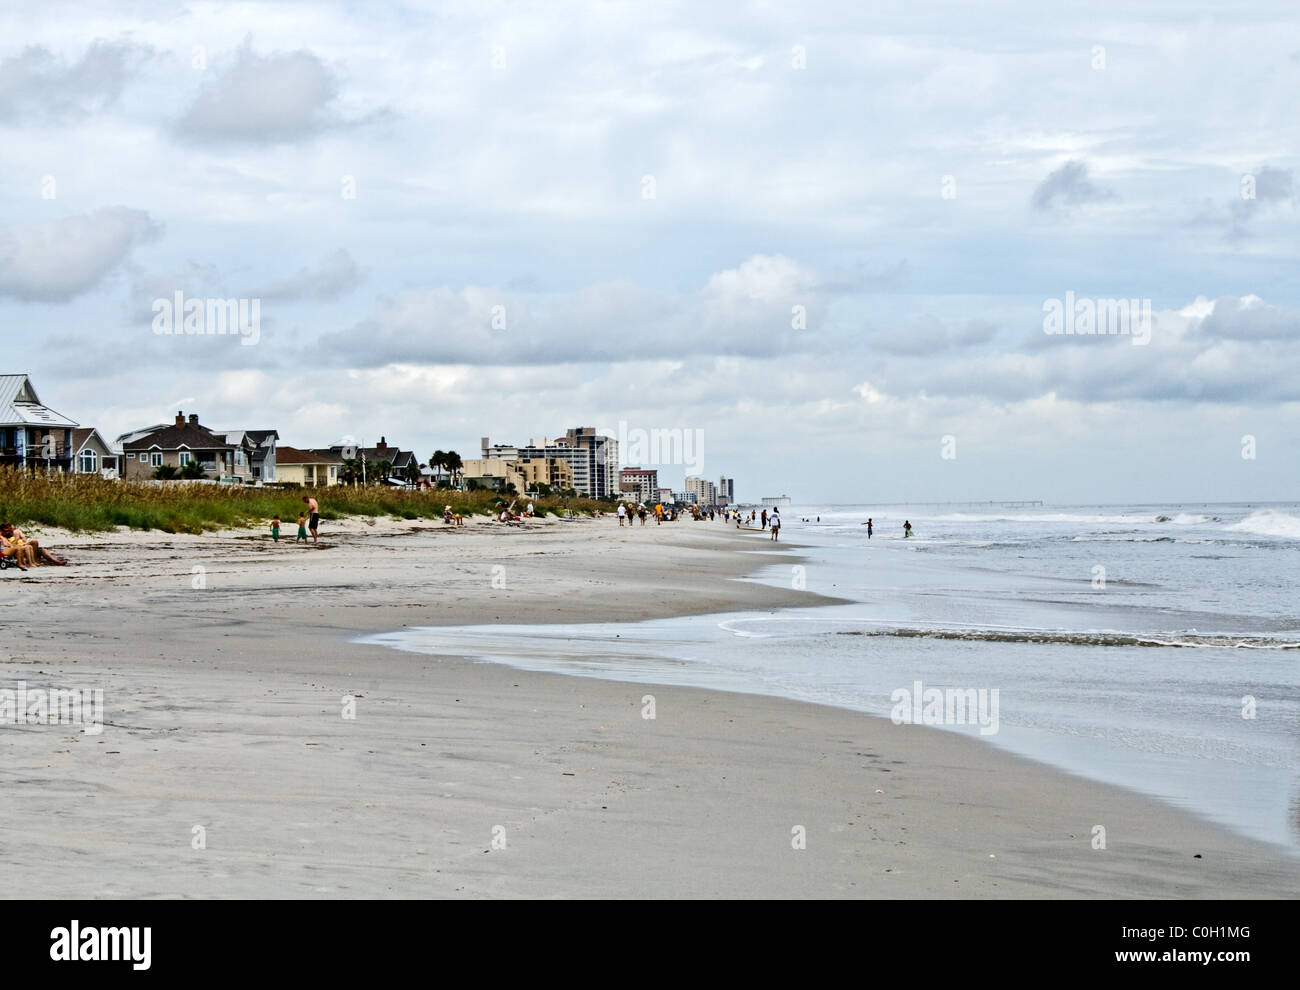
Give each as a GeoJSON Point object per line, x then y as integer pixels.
{"type": "Point", "coordinates": [226, 660]}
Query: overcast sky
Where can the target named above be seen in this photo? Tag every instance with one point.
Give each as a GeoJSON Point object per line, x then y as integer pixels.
{"type": "Point", "coordinates": [822, 234]}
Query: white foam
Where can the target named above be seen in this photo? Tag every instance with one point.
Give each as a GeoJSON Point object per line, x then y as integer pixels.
{"type": "Point", "coordinates": [1269, 522]}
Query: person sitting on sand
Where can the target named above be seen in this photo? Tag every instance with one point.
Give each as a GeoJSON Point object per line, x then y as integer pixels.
{"type": "Point", "coordinates": [302, 529]}
{"type": "Point", "coordinates": [15, 537]}
{"type": "Point", "coordinates": [275, 528]}
{"type": "Point", "coordinates": [20, 550]}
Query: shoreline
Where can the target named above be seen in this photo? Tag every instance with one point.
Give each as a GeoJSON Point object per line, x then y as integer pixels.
{"type": "Point", "coordinates": [594, 799]}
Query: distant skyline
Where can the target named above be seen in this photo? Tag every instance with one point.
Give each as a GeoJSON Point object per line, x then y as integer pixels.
{"type": "Point", "coordinates": [826, 237]}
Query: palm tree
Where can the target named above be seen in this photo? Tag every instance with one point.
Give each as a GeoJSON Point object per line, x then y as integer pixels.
{"type": "Point", "coordinates": [350, 470]}
{"type": "Point", "coordinates": [438, 459]}
{"type": "Point", "coordinates": [451, 460]}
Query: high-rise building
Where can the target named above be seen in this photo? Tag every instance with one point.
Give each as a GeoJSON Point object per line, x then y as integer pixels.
{"type": "Point", "coordinates": [726, 491]}
{"type": "Point", "coordinates": [705, 493]}
{"type": "Point", "coordinates": [643, 483]}
{"type": "Point", "coordinates": [592, 457]}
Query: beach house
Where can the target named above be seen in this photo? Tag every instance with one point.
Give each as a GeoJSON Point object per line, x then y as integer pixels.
{"type": "Point", "coordinates": [223, 455]}
{"type": "Point", "coordinates": [403, 465]}
{"type": "Point", "coordinates": [32, 435]}
{"type": "Point", "coordinates": [309, 468]}
{"type": "Point", "coordinates": [92, 454]}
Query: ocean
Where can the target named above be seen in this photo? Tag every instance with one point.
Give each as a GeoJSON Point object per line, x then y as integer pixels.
{"type": "Point", "coordinates": [1150, 646]}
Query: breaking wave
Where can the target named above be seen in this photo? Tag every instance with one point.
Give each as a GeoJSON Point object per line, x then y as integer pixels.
{"type": "Point", "coordinates": [1177, 640]}
{"type": "Point", "coordinates": [1269, 522]}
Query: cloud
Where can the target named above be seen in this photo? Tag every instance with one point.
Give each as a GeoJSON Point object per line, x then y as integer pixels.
{"type": "Point", "coordinates": [193, 279]}
{"type": "Point", "coordinates": [927, 335]}
{"type": "Point", "coordinates": [861, 278]}
{"type": "Point", "coordinates": [337, 274]}
{"type": "Point", "coordinates": [747, 310]}
{"type": "Point", "coordinates": [57, 260]}
{"type": "Point", "coordinates": [37, 84]}
{"type": "Point", "coordinates": [264, 99]}
{"type": "Point", "coordinates": [1261, 191]}
{"type": "Point", "coordinates": [1069, 185]}
{"type": "Point", "coordinates": [1247, 318]}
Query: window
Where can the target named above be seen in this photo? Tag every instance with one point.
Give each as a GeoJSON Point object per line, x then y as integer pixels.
{"type": "Point", "coordinates": [89, 462]}
{"type": "Point", "coordinates": [185, 457]}
{"type": "Point", "coordinates": [239, 457]}
{"type": "Point", "coordinates": [155, 458]}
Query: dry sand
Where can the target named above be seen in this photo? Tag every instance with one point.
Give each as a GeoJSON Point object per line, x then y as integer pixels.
{"type": "Point", "coordinates": [224, 710]}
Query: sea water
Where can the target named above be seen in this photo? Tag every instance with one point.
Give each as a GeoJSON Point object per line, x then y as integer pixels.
{"type": "Point", "coordinates": [1153, 647]}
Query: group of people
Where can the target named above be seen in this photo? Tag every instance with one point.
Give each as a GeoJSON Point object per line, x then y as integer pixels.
{"type": "Point", "coordinates": [628, 513]}
{"type": "Point", "coordinates": [308, 520]}
{"type": "Point", "coordinates": [26, 553]}
{"type": "Point", "coordinates": [640, 511]}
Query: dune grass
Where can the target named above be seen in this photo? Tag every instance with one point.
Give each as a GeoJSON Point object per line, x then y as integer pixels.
{"type": "Point", "coordinates": [88, 503]}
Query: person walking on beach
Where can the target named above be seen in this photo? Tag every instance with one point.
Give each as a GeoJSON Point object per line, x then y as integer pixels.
{"type": "Point", "coordinates": [275, 528]}
{"type": "Point", "coordinates": [776, 524]}
{"type": "Point", "coordinates": [868, 528]}
{"type": "Point", "coordinates": [314, 523]}
{"type": "Point", "coordinates": [907, 529]}
{"type": "Point", "coordinates": [302, 529]}
{"type": "Point", "coordinates": [622, 512]}
{"type": "Point", "coordinates": [764, 526]}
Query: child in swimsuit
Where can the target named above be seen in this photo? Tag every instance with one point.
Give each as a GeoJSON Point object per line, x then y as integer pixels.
{"type": "Point", "coordinates": [302, 528]}
{"type": "Point", "coordinates": [275, 529]}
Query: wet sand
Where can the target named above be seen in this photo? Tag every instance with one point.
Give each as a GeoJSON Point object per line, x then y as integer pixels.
{"type": "Point", "coordinates": [226, 663]}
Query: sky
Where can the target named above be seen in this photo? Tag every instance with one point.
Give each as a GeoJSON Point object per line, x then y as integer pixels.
{"type": "Point", "coordinates": [828, 239]}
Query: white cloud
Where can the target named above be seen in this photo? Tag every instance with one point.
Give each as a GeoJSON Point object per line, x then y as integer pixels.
{"type": "Point", "coordinates": [57, 260]}
{"type": "Point", "coordinates": [264, 99]}
{"type": "Point", "coordinates": [38, 83]}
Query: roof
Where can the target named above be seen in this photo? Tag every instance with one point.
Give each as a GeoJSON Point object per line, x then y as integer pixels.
{"type": "Point", "coordinates": [20, 406]}
{"type": "Point", "coordinates": [398, 458]}
{"type": "Point", "coordinates": [174, 437]}
{"type": "Point", "coordinates": [292, 455]}
{"type": "Point", "coordinates": [81, 437]}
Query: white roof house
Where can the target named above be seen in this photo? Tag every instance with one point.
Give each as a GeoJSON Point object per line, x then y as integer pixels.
{"type": "Point", "coordinates": [31, 433]}
{"type": "Point", "coordinates": [20, 405]}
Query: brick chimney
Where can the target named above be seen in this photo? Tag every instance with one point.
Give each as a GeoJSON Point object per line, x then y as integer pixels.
{"type": "Point", "coordinates": [381, 448]}
{"type": "Point", "coordinates": [180, 418]}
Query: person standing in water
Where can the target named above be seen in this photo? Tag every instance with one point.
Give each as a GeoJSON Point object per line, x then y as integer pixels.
{"type": "Point", "coordinates": [775, 520]}
{"type": "Point", "coordinates": [907, 529]}
{"type": "Point", "coordinates": [869, 528]}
